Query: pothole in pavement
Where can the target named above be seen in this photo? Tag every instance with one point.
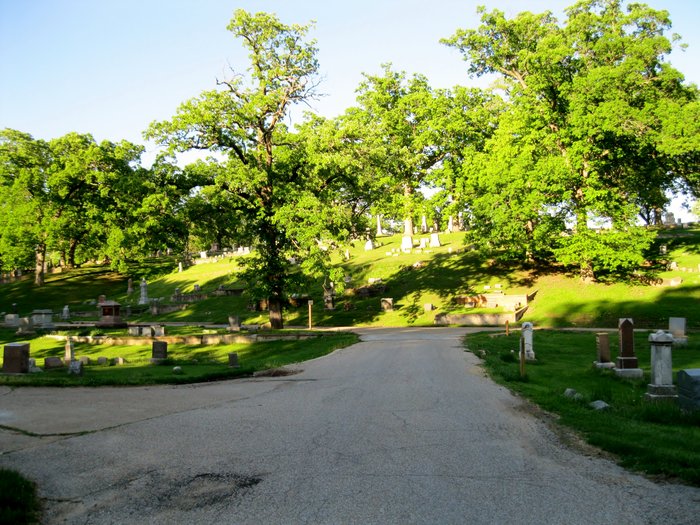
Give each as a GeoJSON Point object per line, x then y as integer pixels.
{"type": "Point", "coordinates": [208, 489]}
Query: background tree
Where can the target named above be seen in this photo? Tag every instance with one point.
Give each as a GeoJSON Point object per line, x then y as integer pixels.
{"type": "Point", "coordinates": [592, 91]}
{"type": "Point", "coordinates": [267, 175]}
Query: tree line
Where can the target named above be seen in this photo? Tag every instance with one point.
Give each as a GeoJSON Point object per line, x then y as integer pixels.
{"type": "Point", "coordinates": [586, 124]}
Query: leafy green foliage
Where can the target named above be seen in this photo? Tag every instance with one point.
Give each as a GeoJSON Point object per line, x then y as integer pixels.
{"type": "Point", "coordinates": [19, 503]}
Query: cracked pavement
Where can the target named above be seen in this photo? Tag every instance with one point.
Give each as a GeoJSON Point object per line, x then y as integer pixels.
{"type": "Point", "coordinates": [400, 428]}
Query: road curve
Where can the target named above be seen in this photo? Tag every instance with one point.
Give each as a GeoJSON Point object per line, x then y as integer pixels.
{"type": "Point", "coordinates": [401, 428]}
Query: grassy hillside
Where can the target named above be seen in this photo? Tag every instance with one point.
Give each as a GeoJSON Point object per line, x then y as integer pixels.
{"type": "Point", "coordinates": [435, 276]}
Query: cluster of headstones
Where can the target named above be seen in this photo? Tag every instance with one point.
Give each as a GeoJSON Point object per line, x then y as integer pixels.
{"type": "Point", "coordinates": [661, 386]}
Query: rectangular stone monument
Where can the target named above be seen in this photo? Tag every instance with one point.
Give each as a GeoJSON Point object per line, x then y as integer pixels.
{"type": "Point", "coordinates": [627, 364]}
{"type": "Point", "coordinates": [12, 320]}
{"type": "Point", "coordinates": [435, 240]}
{"type": "Point", "coordinates": [234, 323]}
{"type": "Point", "coordinates": [688, 382]}
{"type": "Point", "coordinates": [158, 330]}
{"type": "Point", "coordinates": [602, 340]}
{"type": "Point", "coordinates": [387, 304]}
{"type": "Point", "coordinates": [134, 330]}
{"type": "Point", "coordinates": [233, 360]}
{"type": "Point", "coordinates": [159, 351]}
{"type": "Point", "coordinates": [75, 368]}
{"type": "Point", "coordinates": [53, 362]}
{"type": "Point", "coordinates": [15, 358]}
{"type": "Point", "coordinates": [661, 385]}
{"type": "Point", "coordinates": [406, 243]}
{"type": "Point", "coordinates": [676, 325]}
{"type": "Point", "coordinates": [42, 318]}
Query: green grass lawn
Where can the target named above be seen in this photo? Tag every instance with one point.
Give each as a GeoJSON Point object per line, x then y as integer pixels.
{"type": "Point", "coordinates": [435, 276]}
{"type": "Point", "coordinates": [197, 362]}
{"type": "Point", "coordinates": [655, 438]}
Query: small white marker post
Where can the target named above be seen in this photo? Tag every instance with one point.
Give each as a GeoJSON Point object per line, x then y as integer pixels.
{"type": "Point", "coordinates": [311, 303]}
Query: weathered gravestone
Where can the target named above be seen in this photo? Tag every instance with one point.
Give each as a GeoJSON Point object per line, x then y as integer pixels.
{"type": "Point", "coordinates": [406, 243]}
{"type": "Point", "coordinates": [12, 320]}
{"type": "Point", "coordinates": [602, 340]}
{"type": "Point", "coordinates": [526, 336]}
{"type": "Point", "coordinates": [424, 243]}
{"type": "Point", "coordinates": [689, 389]}
{"type": "Point", "coordinates": [15, 358]}
{"type": "Point", "coordinates": [65, 313]}
{"type": "Point", "coordinates": [53, 362]}
{"type": "Point", "coordinates": [69, 351]}
{"type": "Point", "coordinates": [627, 364]}
{"type": "Point", "coordinates": [42, 318]}
{"type": "Point", "coordinates": [328, 301]}
{"type": "Point", "coordinates": [26, 326]}
{"type": "Point", "coordinates": [661, 386]}
{"type": "Point", "coordinates": [387, 304]}
{"type": "Point", "coordinates": [234, 323]}
{"type": "Point", "coordinates": [369, 245]}
{"type": "Point", "coordinates": [233, 360]}
{"type": "Point", "coordinates": [157, 330]}
{"type": "Point", "coordinates": [75, 368]}
{"type": "Point", "coordinates": [143, 299]}
{"type": "Point", "coordinates": [159, 351]}
{"type": "Point", "coordinates": [435, 240]}
{"type": "Point", "coordinates": [676, 325]}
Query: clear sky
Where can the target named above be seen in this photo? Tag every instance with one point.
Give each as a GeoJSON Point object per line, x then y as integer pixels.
{"type": "Point", "coordinates": [110, 67]}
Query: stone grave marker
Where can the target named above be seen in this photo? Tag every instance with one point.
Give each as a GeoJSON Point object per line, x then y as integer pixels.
{"type": "Point", "coordinates": [688, 382]}
{"type": "Point", "coordinates": [328, 301]}
{"type": "Point", "coordinates": [435, 240]}
{"type": "Point", "coordinates": [428, 307]}
{"type": "Point", "coordinates": [233, 360]}
{"type": "Point", "coordinates": [26, 326]}
{"type": "Point", "coordinates": [424, 242]}
{"type": "Point", "coordinates": [119, 360]}
{"type": "Point", "coordinates": [84, 359]}
{"type": "Point", "coordinates": [12, 320]}
{"type": "Point", "coordinates": [53, 362]}
{"type": "Point", "coordinates": [15, 359]}
{"type": "Point", "coordinates": [179, 267]}
{"type": "Point", "coordinates": [102, 361]}
{"type": "Point", "coordinates": [602, 341]}
{"type": "Point", "coordinates": [143, 299]}
{"type": "Point", "coordinates": [75, 368]}
{"type": "Point", "coordinates": [234, 323]}
{"type": "Point", "coordinates": [159, 351]}
{"type": "Point", "coordinates": [627, 364]}
{"type": "Point", "coordinates": [157, 330]}
{"type": "Point", "coordinates": [65, 313]}
{"type": "Point", "coordinates": [676, 325]}
{"type": "Point", "coordinates": [134, 330]}
{"type": "Point", "coordinates": [69, 351]}
{"type": "Point", "coordinates": [387, 304]}
{"type": "Point", "coordinates": [526, 336]}
{"type": "Point", "coordinates": [369, 245]}
{"type": "Point", "coordinates": [406, 243]}
{"type": "Point", "coordinates": [661, 386]}
{"type": "Point", "coordinates": [42, 318]}
{"type": "Point", "coordinates": [33, 369]}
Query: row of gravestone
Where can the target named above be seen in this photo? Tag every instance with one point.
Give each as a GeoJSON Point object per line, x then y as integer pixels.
{"type": "Point", "coordinates": [661, 386]}
{"type": "Point", "coordinates": [16, 360]}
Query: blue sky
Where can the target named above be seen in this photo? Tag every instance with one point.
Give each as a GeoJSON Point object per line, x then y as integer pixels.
{"type": "Point", "coordinates": [110, 67]}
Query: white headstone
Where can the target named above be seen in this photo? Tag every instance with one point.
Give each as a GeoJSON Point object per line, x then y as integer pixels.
{"type": "Point", "coordinates": [661, 381]}
{"type": "Point", "coordinates": [143, 299]}
{"type": "Point", "coordinates": [369, 245]}
{"type": "Point", "coordinates": [526, 335]}
{"type": "Point", "coordinates": [435, 240]}
{"type": "Point", "coordinates": [65, 314]}
{"type": "Point", "coordinates": [676, 325]}
{"type": "Point", "coordinates": [424, 243]}
{"type": "Point", "coordinates": [179, 267]}
{"type": "Point", "coordinates": [406, 243]}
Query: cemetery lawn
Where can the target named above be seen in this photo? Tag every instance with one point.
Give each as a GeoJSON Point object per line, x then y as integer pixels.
{"type": "Point", "coordinates": [435, 276]}
{"type": "Point", "coordinates": [198, 363]}
{"type": "Point", "coordinates": [657, 439]}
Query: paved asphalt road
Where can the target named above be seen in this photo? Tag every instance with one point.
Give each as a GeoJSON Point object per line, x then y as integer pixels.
{"type": "Point", "coordinates": [401, 428]}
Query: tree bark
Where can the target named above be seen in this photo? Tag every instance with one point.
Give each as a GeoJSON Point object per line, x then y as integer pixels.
{"type": "Point", "coordinates": [71, 253]}
{"type": "Point", "coordinates": [275, 310]}
{"type": "Point", "coordinates": [40, 266]}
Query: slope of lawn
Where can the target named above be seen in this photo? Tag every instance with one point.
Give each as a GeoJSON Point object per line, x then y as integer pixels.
{"type": "Point", "coordinates": [435, 276]}
{"type": "Point", "coordinates": [652, 437]}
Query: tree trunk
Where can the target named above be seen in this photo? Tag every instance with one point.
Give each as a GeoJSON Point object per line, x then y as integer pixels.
{"type": "Point", "coordinates": [71, 253]}
{"type": "Point", "coordinates": [40, 266]}
{"type": "Point", "coordinates": [275, 309]}
{"type": "Point", "coordinates": [408, 210]}
{"type": "Point", "coordinates": [408, 226]}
